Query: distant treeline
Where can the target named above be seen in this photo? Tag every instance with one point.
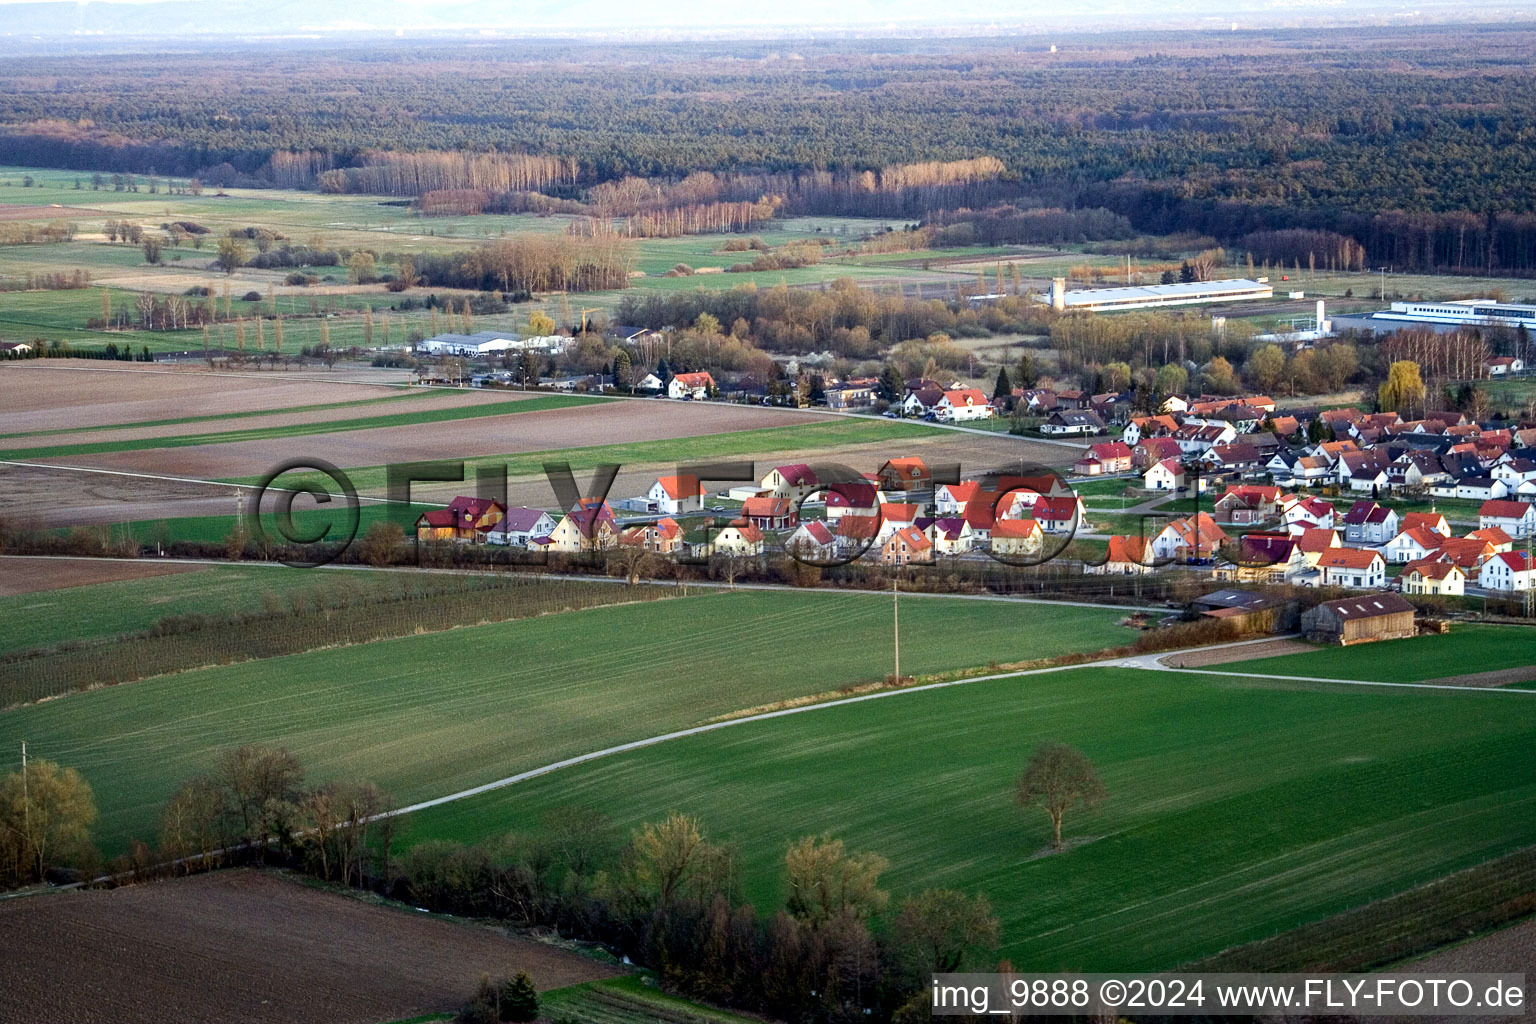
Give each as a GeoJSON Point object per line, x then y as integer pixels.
{"type": "Point", "coordinates": [532, 263]}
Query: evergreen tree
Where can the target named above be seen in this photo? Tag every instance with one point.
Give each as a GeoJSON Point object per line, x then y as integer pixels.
{"type": "Point", "coordinates": [1003, 387]}
{"type": "Point", "coordinates": [890, 386]}
{"type": "Point", "coordinates": [519, 999]}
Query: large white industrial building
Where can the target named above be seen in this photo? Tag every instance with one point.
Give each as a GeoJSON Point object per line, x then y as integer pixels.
{"type": "Point", "coordinates": [1189, 293]}
{"type": "Point", "coordinates": [1443, 316]}
{"type": "Point", "coordinates": [489, 342]}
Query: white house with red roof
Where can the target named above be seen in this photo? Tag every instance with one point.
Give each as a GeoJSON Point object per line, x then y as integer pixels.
{"type": "Point", "coordinates": [1503, 366]}
{"type": "Point", "coordinates": [674, 495]}
{"type": "Point", "coordinates": [952, 499]}
{"type": "Point", "coordinates": [1167, 475]}
{"type": "Point", "coordinates": [853, 499]}
{"type": "Point", "coordinates": [1105, 458]}
{"type": "Point", "coordinates": [1431, 578]}
{"type": "Point", "coordinates": [961, 406]}
{"type": "Point", "coordinates": [1124, 556]}
{"type": "Point", "coordinates": [690, 385]}
{"type": "Point", "coordinates": [1309, 514]}
{"type": "Point", "coordinates": [1516, 518]}
{"type": "Point", "coordinates": [813, 539]}
{"type": "Point", "coordinates": [1022, 538]}
{"type": "Point", "coordinates": [894, 516]}
{"type": "Point", "coordinates": [1411, 545]}
{"type": "Point", "coordinates": [1511, 571]}
{"type": "Point", "coordinates": [794, 481]}
{"type": "Point", "coordinates": [1060, 514]}
{"type": "Point", "coordinates": [1352, 567]}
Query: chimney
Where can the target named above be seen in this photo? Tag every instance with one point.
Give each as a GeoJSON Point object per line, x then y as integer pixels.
{"type": "Point", "coordinates": [1058, 293]}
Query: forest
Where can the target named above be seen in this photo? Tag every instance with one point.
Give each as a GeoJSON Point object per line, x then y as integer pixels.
{"type": "Point", "coordinates": [1410, 145]}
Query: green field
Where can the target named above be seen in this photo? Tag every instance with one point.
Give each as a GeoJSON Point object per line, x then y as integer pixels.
{"type": "Point", "coordinates": [100, 610]}
{"type": "Point", "coordinates": [429, 715]}
{"type": "Point", "coordinates": [403, 419]}
{"type": "Point", "coordinates": [1468, 648]}
{"type": "Point", "coordinates": [803, 439]}
{"type": "Point", "coordinates": [1236, 809]}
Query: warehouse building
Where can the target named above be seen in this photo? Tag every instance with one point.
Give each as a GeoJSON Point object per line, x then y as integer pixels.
{"type": "Point", "coordinates": [485, 343]}
{"type": "Point", "coordinates": [1441, 317]}
{"type": "Point", "coordinates": [1105, 300]}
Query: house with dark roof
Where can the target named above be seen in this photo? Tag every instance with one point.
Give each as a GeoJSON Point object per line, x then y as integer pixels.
{"type": "Point", "coordinates": [1369, 523]}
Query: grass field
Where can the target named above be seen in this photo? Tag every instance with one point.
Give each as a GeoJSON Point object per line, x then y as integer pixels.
{"type": "Point", "coordinates": [804, 439]}
{"type": "Point", "coordinates": [107, 609]}
{"type": "Point", "coordinates": [1468, 648]}
{"type": "Point", "coordinates": [428, 715]}
{"type": "Point", "coordinates": [1236, 809]}
{"type": "Point", "coordinates": [402, 419]}
{"type": "Point", "coordinates": [629, 1000]}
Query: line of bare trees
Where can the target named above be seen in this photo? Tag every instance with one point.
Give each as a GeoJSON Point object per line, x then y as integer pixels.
{"type": "Point", "coordinates": [412, 174]}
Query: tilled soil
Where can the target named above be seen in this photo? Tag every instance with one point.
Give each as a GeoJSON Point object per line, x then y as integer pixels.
{"type": "Point", "coordinates": [30, 575]}
{"type": "Point", "coordinates": [248, 946]}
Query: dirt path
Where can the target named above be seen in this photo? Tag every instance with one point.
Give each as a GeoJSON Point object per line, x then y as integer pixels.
{"type": "Point", "coordinates": [1498, 677]}
{"type": "Point", "coordinates": [1225, 655]}
{"type": "Point", "coordinates": [249, 946]}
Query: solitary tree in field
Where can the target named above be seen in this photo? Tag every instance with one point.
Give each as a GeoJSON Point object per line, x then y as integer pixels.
{"type": "Point", "coordinates": [519, 999]}
{"type": "Point", "coordinates": [1057, 778]}
{"type": "Point", "coordinates": [232, 254]}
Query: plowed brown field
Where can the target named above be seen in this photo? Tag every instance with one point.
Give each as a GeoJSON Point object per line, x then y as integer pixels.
{"type": "Point", "coordinates": [252, 947]}
{"type": "Point", "coordinates": [30, 575]}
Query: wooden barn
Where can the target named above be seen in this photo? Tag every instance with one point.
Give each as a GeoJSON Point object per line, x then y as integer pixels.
{"type": "Point", "coordinates": [1357, 620]}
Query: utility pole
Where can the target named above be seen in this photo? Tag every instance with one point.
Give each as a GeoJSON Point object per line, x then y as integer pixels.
{"type": "Point", "coordinates": [26, 798]}
{"type": "Point", "coordinates": [896, 625]}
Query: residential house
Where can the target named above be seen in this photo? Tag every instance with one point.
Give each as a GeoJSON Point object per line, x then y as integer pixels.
{"type": "Point", "coordinates": [1300, 470]}
{"type": "Point", "coordinates": [590, 526]}
{"type": "Point", "coordinates": [1369, 523]}
{"type": "Point", "coordinates": [952, 535]}
{"type": "Point", "coordinates": [736, 539]}
{"type": "Point", "coordinates": [1430, 520]}
{"type": "Point", "coordinates": [1017, 538]}
{"type": "Point", "coordinates": [465, 519]}
{"type": "Point", "coordinates": [1495, 536]}
{"type": "Point", "coordinates": [1124, 556]}
{"type": "Point", "coordinates": [1237, 457]}
{"type": "Point", "coordinates": [1412, 545]}
{"type": "Point", "coordinates": [893, 516]}
{"type": "Point", "coordinates": [908, 473]}
{"type": "Point", "coordinates": [1352, 567]}
{"type": "Point", "coordinates": [1072, 421]}
{"type": "Point", "coordinates": [1108, 457]}
{"type": "Point", "coordinates": [861, 499]}
{"type": "Point", "coordinates": [1167, 475]}
{"type": "Point", "coordinates": [1364, 471]}
{"type": "Point", "coordinates": [1195, 437]}
{"type": "Point", "coordinates": [1247, 504]}
{"type": "Point", "coordinates": [1262, 558]}
{"type": "Point", "coordinates": [1428, 577]}
{"type": "Point", "coordinates": [1315, 543]}
{"type": "Point", "coordinates": [922, 401]}
{"type": "Point", "coordinates": [794, 481]}
{"type": "Point", "coordinates": [952, 499]}
{"type": "Point", "coordinates": [1511, 572]}
{"type": "Point", "coordinates": [961, 406]}
{"type": "Point", "coordinates": [1481, 487]}
{"type": "Point", "coordinates": [1149, 451]}
{"type": "Point", "coordinates": [690, 385]}
{"type": "Point", "coordinates": [663, 537]}
{"type": "Point", "coordinates": [1467, 552]}
{"type": "Point", "coordinates": [1308, 513]}
{"type": "Point", "coordinates": [855, 534]}
{"type": "Point", "coordinates": [674, 495]}
{"type": "Point", "coordinates": [1516, 518]}
{"type": "Point", "coordinates": [850, 396]}
{"type": "Point", "coordinates": [521, 526]}
{"type": "Point", "coordinates": [436, 525]}
{"type": "Point", "coordinates": [1141, 428]}
{"type": "Point", "coordinates": [1059, 514]}
{"type": "Point", "coordinates": [1194, 537]}
{"type": "Point", "coordinates": [650, 382]}
{"type": "Point", "coordinates": [1353, 620]}
{"type": "Point", "coordinates": [1504, 366]}
{"type": "Point", "coordinates": [907, 546]}
{"type": "Point", "coordinates": [813, 541]}
{"type": "Point", "coordinates": [769, 513]}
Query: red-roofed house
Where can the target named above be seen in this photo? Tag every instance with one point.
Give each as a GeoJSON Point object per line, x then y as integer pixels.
{"type": "Point", "coordinates": [793, 481]}
{"type": "Point", "coordinates": [1167, 475]}
{"type": "Point", "coordinates": [1427, 521]}
{"type": "Point", "coordinates": [1516, 518]}
{"type": "Point", "coordinates": [1021, 538]}
{"type": "Point", "coordinates": [908, 473]}
{"type": "Point", "coordinates": [1429, 577]}
{"type": "Point", "coordinates": [1247, 504]}
{"type": "Point", "coordinates": [961, 406]}
{"type": "Point", "coordinates": [1352, 567]}
{"type": "Point", "coordinates": [771, 513]}
{"type": "Point", "coordinates": [851, 499]}
{"type": "Point", "coordinates": [907, 546]}
{"type": "Point", "coordinates": [690, 385]}
{"type": "Point", "coordinates": [662, 537]}
{"type": "Point", "coordinates": [1196, 536]}
{"type": "Point", "coordinates": [1124, 556]}
{"type": "Point", "coordinates": [1108, 457]}
{"type": "Point", "coordinates": [1496, 536]}
{"type": "Point", "coordinates": [673, 495]}
{"type": "Point", "coordinates": [1411, 545]}
{"type": "Point", "coordinates": [813, 540]}
{"type": "Point", "coordinates": [1309, 514]}
{"type": "Point", "coordinates": [465, 519]}
{"type": "Point", "coordinates": [1512, 571]}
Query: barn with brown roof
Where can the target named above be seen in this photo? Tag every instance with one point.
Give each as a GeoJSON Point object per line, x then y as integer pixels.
{"type": "Point", "coordinates": [1356, 620]}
